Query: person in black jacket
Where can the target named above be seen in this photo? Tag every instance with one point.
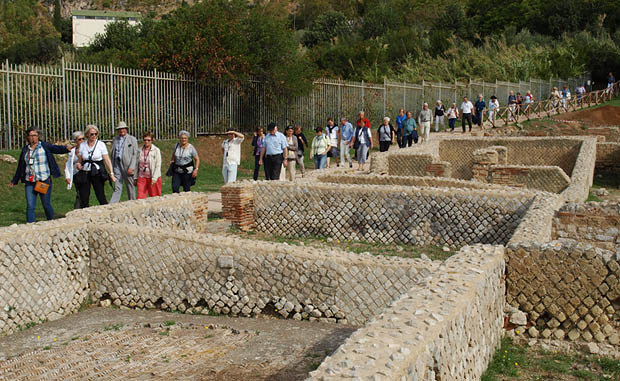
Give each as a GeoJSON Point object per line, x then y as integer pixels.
{"type": "Point", "coordinates": [257, 143]}
{"type": "Point", "coordinates": [36, 167]}
{"type": "Point", "coordinates": [302, 143]}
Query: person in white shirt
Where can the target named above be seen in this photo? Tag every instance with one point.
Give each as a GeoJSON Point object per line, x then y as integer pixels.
{"type": "Point", "coordinates": [466, 109]}
{"type": "Point", "coordinates": [231, 149]}
{"type": "Point", "coordinates": [333, 134]}
{"type": "Point", "coordinates": [93, 160]}
{"type": "Point", "coordinates": [71, 166]}
{"type": "Point", "coordinates": [493, 108]}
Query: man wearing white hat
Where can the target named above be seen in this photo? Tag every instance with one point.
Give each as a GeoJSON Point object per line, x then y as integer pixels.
{"type": "Point", "coordinates": [125, 155]}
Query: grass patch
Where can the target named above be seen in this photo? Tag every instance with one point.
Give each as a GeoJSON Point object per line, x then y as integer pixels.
{"type": "Point", "coordinates": [113, 327]}
{"type": "Point", "coordinates": [164, 333]}
{"type": "Point", "coordinates": [358, 247]}
{"type": "Point", "coordinates": [607, 181]}
{"type": "Point", "coordinates": [169, 323]}
{"type": "Point", "coordinates": [593, 197]}
{"type": "Point", "coordinates": [520, 362]}
{"type": "Point", "coordinates": [85, 303]}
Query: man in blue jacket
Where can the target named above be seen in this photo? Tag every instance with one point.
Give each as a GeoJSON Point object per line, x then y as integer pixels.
{"type": "Point", "coordinates": [37, 164]}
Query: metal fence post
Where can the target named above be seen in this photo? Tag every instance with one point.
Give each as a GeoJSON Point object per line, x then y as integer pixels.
{"type": "Point", "coordinates": [363, 95]}
{"type": "Point", "coordinates": [195, 96]}
{"type": "Point", "coordinates": [112, 108]}
{"type": "Point", "coordinates": [8, 106]}
{"type": "Point", "coordinates": [157, 133]}
{"type": "Point", "coordinates": [422, 90]}
{"type": "Point", "coordinates": [384, 96]}
{"type": "Point", "coordinates": [404, 96]}
{"type": "Point", "coordinates": [64, 99]}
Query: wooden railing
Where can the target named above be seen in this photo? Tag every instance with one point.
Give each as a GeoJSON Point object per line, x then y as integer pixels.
{"type": "Point", "coordinates": [508, 114]}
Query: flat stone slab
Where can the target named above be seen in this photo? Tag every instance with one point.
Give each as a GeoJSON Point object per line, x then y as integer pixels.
{"type": "Point", "coordinates": [123, 344]}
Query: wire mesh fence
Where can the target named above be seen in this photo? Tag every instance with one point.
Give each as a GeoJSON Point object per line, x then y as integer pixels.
{"type": "Point", "coordinates": [67, 97]}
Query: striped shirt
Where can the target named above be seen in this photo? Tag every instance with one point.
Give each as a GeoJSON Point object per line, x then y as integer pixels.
{"type": "Point", "coordinates": [39, 170]}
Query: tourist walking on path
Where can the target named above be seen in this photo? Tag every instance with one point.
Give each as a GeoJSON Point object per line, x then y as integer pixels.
{"type": "Point", "coordinates": [149, 168]}
{"type": "Point", "coordinates": [93, 160]}
{"type": "Point", "coordinates": [479, 108]}
{"type": "Point", "coordinates": [291, 159]}
{"type": "Point", "coordinates": [400, 140]}
{"type": "Point", "coordinates": [333, 133]}
{"type": "Point", "coordinates": [363, 121]}
{"type": "Point", "coordinates": [231, 149]}
{"type": "Point", "coordinates": [302, 143]}
{"type": "Point", "coordinates": [71, 166]}
{"type": "Point", "coordinates": [184, 164]}
{"type": "Point", "coordinates": [274, 152]}
{"type": "Point", "coordinates": [610, 82]}
{"type": "Point", "coordinates": [125, 153]}
{"type": "Point", "coordinates": [452, 114]}
{"type": "Point", "coordinates": [346, 134]}
{"type": "Point", "coordinates": [386, 135]}
{"type": "Point", "coordinates": [555, 99]}
{"type": "Point", "coordinates": [35, 168]}
{"type": "Point", "coordinates": [512, 106]}
{"type": "Point", "coordinates": [362, 142]}
{"type": "Point", "coordinates": [466, 109]}
{"type": "Point", "coordinates": [425, 118]}
{"type": "Point", "coordinates": [320, 147]}
{"type": "Point", "coordinates": [257, 142]}
{"type": "Point", "coordinates": [440, 110]}
{"type": "Point", "coordinates": [580, 91]}
{"type": "Point", "coordinates": [566, 96]}
{"type": "Point", "coordinates": [410, 130]}
{"type": "Point", "coordinates": [493, 108]}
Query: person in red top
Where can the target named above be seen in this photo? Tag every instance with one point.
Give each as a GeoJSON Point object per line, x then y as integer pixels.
{"type": "Point", "coordinates": [363, 121]}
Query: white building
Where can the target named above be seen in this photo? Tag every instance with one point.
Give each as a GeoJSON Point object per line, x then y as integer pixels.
{"type": "Point", "coordinates": [87, 24]}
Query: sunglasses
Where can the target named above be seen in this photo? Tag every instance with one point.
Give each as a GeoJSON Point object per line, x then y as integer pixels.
{"type": "Point", "coordinates": [82, 138]}
{"type": "Point", "coordinates": [94, 134]}
{"type": "Point", "coordinates": [148, 140]}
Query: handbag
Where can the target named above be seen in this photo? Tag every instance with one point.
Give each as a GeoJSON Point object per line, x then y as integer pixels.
{"type": "Point", "coordinates": [41, 187]}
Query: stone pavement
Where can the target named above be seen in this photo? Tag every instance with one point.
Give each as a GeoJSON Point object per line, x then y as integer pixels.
{"type": "Point", "coordinates": [107, 343]}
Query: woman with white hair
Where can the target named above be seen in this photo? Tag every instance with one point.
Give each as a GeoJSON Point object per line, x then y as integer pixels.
{"type": "Point", "coordinates": [93, 160]}
{"type": "Point", "coordinates": [71, 166]}
{"type": "Point", "coordinates": [440, 110]}
{"type": "Point", "coordinates": [424, 120]}
{"type": "Point", "coordinates": [184, 164]}
{"type": "Point", "coordinates": [386, 135]}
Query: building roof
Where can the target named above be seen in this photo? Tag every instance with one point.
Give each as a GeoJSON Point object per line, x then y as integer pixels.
{"type": "Point", "coordinates": [95, 13]}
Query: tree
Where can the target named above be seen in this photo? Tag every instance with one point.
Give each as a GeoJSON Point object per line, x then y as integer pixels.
{"type": "Point", "coordinates": [326, 27]}
{"type": "Point", "coordinates": [57, 16]}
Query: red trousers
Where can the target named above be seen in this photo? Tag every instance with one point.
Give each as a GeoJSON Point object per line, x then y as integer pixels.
{"type": "Point", "coordinates": [146, 186]}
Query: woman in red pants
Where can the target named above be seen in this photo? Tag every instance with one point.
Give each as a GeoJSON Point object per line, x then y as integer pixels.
{"type": "Point", "coordinates": [149, 169]}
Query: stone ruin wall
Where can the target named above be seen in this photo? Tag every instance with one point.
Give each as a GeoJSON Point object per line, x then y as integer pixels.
{"type": "Point", "coordinates": [561, 152]}
{"type": "Point", "coordinates": [44, 270]}
{"type": "Point", "coordinates": [197, 274]}
{"type": "Point", "coordinates": [413, 181]}
{"type": "Point", "coordinates": [568, 290]}
{"type": "Point", "coordinates": [45, 267]}
{"type": "Point", "coordinates": [445, 329]}
{"type": "Point", "coordinates": [388, 214]}
{"type": "Point", "coordinates": [594, 223]}
{"type": "Point", "coordinates": [608, 158]}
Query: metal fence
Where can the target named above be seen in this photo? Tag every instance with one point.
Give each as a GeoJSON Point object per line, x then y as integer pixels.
{"type": "Point", "coordinates": [61, 99]}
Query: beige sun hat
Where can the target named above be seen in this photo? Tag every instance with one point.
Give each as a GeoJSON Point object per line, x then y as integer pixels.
{"type": "Point", "coordinates": [121, 125]}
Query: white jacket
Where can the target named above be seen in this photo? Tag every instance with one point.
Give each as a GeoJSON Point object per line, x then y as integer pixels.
{"type": "Point", "coordinates": [154, 162]}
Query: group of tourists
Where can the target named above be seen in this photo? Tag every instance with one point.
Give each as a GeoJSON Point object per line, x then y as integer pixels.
{"type": "Point", "coordinates": [90, 165]}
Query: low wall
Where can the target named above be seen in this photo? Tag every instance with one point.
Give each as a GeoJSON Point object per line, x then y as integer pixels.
{"type": "Point", "coordinates": [414, 181]}
{"type": "Point", "coordinates": [561, 152]}
{"type": "Point", "coordinates": [608, 158]}
{"type": "Point", "coordinates": [184, 271]}
{"type": "Point", "coordinates": [536, 224]}
{"type": "Point", "coordinates": [545, 178]}
{"type": "Point", "coordinates": [568, 290]}
{"type": "Point", "coordinates": [594, 223]}
{"type": "Point", "coordinates": [186, 211]}
{"type": "Point", "coordinates": [417, 164]}
{"type": "Point", "coordinates": [44, 270]}
{"type": "Point", "coordinates": [372, 213]}
{"type": "Point", "coordinates": [447, 329]}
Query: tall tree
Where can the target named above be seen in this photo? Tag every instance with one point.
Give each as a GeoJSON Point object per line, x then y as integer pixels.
{"type": "Point", "coordinates": [57, 16]}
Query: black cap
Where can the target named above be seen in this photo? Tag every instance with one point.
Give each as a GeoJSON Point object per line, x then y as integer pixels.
{"type": "Point", "coordinates": [271, 126]}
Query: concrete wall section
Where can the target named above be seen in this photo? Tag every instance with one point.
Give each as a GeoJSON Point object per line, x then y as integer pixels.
{"type": "Point", "coordinates": [447, 329]}
{"type": "Point", "coordinates": [44, 271]}
{"type": "Point", "coordinates": [181, 271]}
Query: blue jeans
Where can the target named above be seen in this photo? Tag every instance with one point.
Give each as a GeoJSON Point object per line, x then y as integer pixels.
{"type": "Point", "coordinates": [320, 161]}
{"type": "Point", "coordinates": [31, 201]}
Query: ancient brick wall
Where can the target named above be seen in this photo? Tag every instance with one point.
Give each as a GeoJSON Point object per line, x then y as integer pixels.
{"type": "Point", "coordinates": [186, 211]}
{"type": "Point", "coordinates": [200, 273]}
{"type": "Point", "coordinates": [417, 164]}
{"type": "Point", "coordinates": [608, 158]}
{"type": "Point", "coordinates": [561, 152]}
{"type": "Point", "coordinates": [447, 329]}
{"type": "Point", "coordinates": [44, 271]}
{"type": "Point", "coordinates": [595, 223]}
{"type": "Point", "coordinates": [568, 290]}
{"type": "Point", "coordinates": [372, 213]}
{"type": "Point", "coordinates": [416, 181]}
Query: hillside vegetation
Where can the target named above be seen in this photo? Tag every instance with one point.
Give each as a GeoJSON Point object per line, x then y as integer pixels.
{"type": "Point", "coordinates": [288, 43]}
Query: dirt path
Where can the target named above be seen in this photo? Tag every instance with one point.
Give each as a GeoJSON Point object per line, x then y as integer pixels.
{"type": "Point", "coordinates": [107, 343]}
